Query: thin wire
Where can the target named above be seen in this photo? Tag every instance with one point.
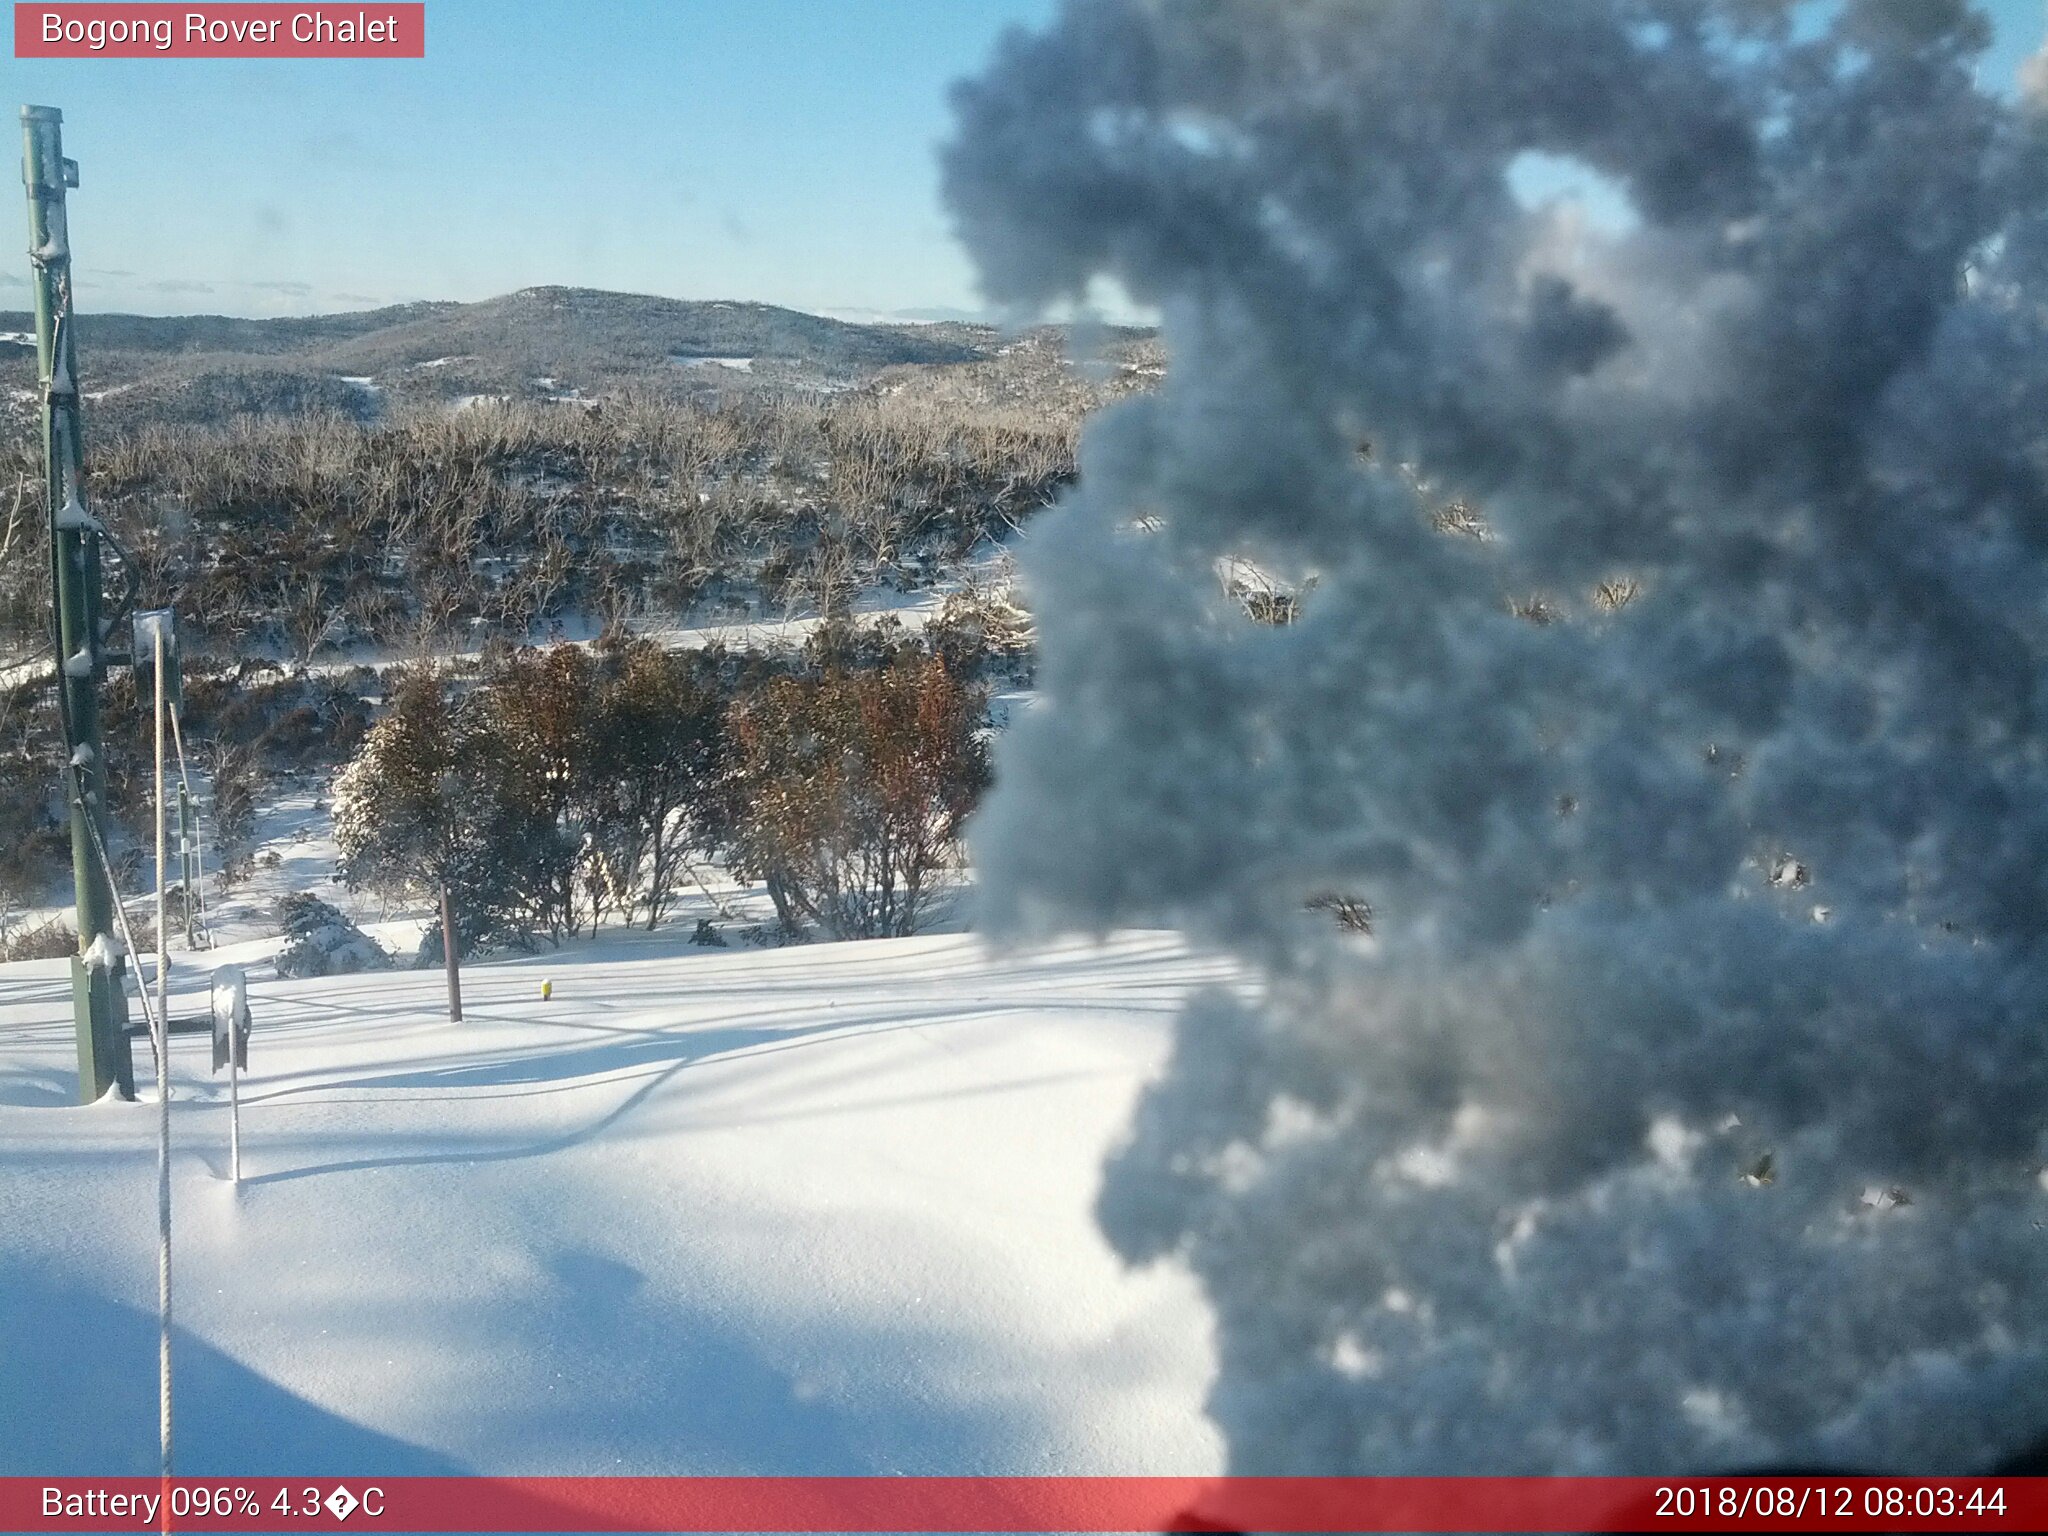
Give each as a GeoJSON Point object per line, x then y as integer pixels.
{"type": "Point", "coordinates": [163, 1082]}
{"type": "Point", "coordinates": [121, 917]}
{"type": "Point", "coordinates": [159, 1035]}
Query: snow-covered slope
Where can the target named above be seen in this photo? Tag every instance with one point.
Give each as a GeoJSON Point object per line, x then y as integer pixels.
{"type": "Point", "coordinates": [811, 1210]}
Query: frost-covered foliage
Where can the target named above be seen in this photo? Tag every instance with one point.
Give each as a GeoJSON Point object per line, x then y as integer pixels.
{"type": "Point", "coordinates": [1686, 1104]}
{"type": "Point", "coordinates": [322, 941]}
{"type": "Point", "coordinates": [624, 748]}
{"type": "Point", "coordinates": [850, 789]}
{"type": "Point", "coordinates": [442, 799]}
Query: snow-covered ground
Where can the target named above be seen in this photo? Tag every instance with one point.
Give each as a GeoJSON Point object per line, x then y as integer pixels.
{"type": "Point", "coordinates": [292, 849]}
{"type": "Point", "coordinates": [703, 626]}
{"type": "Point", "coordinates": [822, 1209]}
{"type": "Point", "coordinates": [818, 1209]}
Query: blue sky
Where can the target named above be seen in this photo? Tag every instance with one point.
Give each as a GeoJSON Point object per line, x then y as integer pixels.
{"type": "Point", "coordinates": [758, 149]}
{"type": "Point", "coordinates": [779, 150]}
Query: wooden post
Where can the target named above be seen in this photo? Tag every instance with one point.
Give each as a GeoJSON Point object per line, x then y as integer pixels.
{"type": "Point", "coordinates": [448, 955]}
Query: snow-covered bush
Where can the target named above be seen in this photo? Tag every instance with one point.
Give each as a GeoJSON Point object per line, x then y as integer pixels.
{"type": "Point", "coordinates": [850, 789]}
{"type": "Point", "coordinates": [1607, 1150]}
{"type": "Point", "coordinates": [657, 735]}
{"type": "Point", "coordinates": [234, 775]}
{"type": "Point", "coordinates": [322, 942]}
{"type": "Point", "coordinates": [982, 633]}
{"type": "Point", "coordinates": [621, 749]}
{"type": "Point", "coordinates": [52, 939]}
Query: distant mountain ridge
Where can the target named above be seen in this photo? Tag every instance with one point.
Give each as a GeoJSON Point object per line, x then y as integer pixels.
{"type": "Point", "coordinates": [228, 333]}
{"type": "Point", "coordinates": [551, 339]}
{"type": "Point", "coordinates": [640, 326]}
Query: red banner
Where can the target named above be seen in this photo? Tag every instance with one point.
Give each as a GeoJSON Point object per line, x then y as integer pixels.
{"type": "Point", "coordinates": [249, 31]}
{"type": "Point", "coordinates": [957, 1504]}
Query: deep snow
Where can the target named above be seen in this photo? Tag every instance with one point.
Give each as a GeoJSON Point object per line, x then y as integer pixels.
{"type": "Point", "coordinates": [822, 1209]}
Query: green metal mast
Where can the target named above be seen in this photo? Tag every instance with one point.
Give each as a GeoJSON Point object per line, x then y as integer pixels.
{"type": "Point", "coordinates": [104, 1059]}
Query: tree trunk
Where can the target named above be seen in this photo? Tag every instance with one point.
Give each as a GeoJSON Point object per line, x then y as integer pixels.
{"type": "Point", "coordinates": [449, 956]}
{"type": "Point", "coordinates": [784, 913]}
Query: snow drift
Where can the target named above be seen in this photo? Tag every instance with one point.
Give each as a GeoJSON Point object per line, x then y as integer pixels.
{"type": "Point", "coordinates": [797, 1211]}
{"type": "Point", "coordinates": [1687, 1105]}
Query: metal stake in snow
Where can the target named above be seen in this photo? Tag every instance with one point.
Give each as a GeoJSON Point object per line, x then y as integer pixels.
{"type": "Point", "coordinates": [153, 634]}
{"type": "Point", "coordinates": [231, 1049]}
{"type": "Point", "coordinates": [188, 834]}
{"type": "Point", "coordinates": [185, 860]}
{"type": "Point", "coordinates": [104, 1059]}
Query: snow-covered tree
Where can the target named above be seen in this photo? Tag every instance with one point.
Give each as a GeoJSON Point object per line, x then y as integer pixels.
{"type": "Point", "coordinates": [1688, 1102]}
{"type": "Point", "coordinates": [398, 821]}
{"type": "Point", "coordinates": [657, 751]}
{"type": "Point", "coordinates": [618, 752]}
{"type": "Point", "coordinates": [442, 803]}
{"type": "Point", "coordinates": [850, 789]}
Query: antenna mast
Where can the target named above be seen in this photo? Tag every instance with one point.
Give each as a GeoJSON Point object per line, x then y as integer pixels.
{"type": "Point", "coordinates": [104, 1058]}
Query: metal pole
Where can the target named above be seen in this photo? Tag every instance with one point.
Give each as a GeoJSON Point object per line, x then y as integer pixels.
{"type": "Point", "coordinates": [163, 855]}
{"type": "Point", "coordinates": [104, 1058]}
{"type": "Point", "coordinates": [163, 1100]}
{"type": "Point", "coordinates": [235, 1103]}
{"type": "Point", "coordinates": [185, 858]}
{"type": "Point", "coordinates": [195, 879]}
